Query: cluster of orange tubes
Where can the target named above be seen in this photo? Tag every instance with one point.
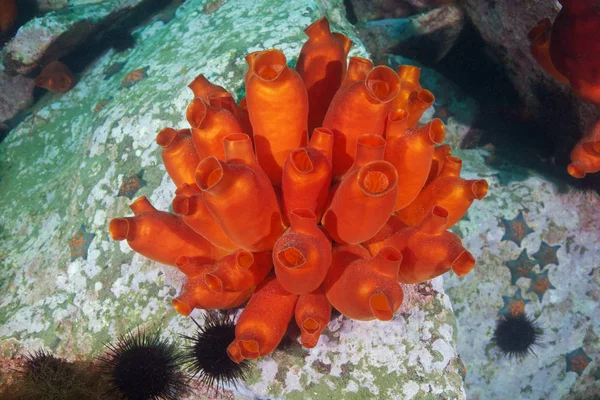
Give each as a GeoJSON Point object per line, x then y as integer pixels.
{"type": "Point", "coordinates": [299, 223]}
{"type": "Point", "coordinates": [569, 51]}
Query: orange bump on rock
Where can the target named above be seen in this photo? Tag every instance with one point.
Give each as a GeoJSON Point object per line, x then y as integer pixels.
{"type": "Point", "coordinates": [55, 77]}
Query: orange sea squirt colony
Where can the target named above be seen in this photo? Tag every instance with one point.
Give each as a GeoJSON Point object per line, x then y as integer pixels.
{"type": "Point", "coordinates": [298, 223]}
{"type": "Point", "coordinates": [569, 51]}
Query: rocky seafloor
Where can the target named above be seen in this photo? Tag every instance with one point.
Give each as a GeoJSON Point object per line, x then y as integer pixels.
{"type": "Point", "coordinates": [77, 159]}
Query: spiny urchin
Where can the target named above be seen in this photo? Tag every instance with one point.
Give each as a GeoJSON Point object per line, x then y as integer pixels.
{"type": "Point", "coordinates": [45, 376]}
{"type": "Point", "coordinates": [515, 335]}
{"type": "Point", "coordinates": [206, 354]}
{"type": "Point", "coordinates": [143, 366]}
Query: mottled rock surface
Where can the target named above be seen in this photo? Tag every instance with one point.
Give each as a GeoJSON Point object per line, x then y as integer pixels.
{"type": "Point", "coordinates": [16, 94]}
{"type": "Point", "coordinates": [67, 287]}
{"type": "Point", "coordinates": [504, 26]}
{"type": "Point", "coordinates": [428, 36]}
{"type": "Point", "coordinates": [57, 33]}
{"type": "Point", "coordinates": [555, 257]}
{"type": "Point", "coordinates": [371, 10]}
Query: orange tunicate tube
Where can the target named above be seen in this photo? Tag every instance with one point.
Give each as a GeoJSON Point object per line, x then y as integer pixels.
{"type": "Point", "coordinates": [263, 322]}
{"type": "Point", "coordinates": [203, 88]}
{"type": "Point", "coordinates": [358, 69]}
{"type": "Point", "coordinates": [440, 153]}
{"type": "Point", "coordinates": [312, 315]}
{"type": "Point", "coordinates": [449, 191]}
{"type": "Point", "coordinates": [418, 102]}
{"type": "Point", "coordinates": [429, 250]}
{"type": "Point", "coordinates": [393, 225]}
{"type": "Point", "coordinates": [411, 152]}
{"type": "Point", "coordinates": [240, 197]}
{"type": "Point", "coordinates": [585, 156]}
{"type": "Point", "coordinates": [278, 107]}
{"type": "Point", "coordinates": [250, 57]}
{"type": "Point", "coordinates": [245, 118]}
{"type": "Point", "coordinates": [227, 102]}
{"type": "Point", "coordinates": [178, 155]}
{"type": "Point", "coordinates": [322, 140]}
{"type": "Point", "coordinates": [362, 203]}
{"type": "Point", "coordinates": [195, 294]}
{"type": "Point", "coordinates": [365, 288]}
{"type": "Point", "coordinates": [409, 82]}
{"type": "Point", "coordinates": [322, 66]}
{"type": "Point", "coordinates": [161, 236]}
{"type": "Point", "coordinates": [238, 271]}
{"type": "Point", "coordinates": [360, 108]}
{"type": "Point", "coordinates": [210, 125]}
{"type": "Point", "coordinates": [195, 214]}
{"type": "Point", "coordinates": [302, 254]}
{"type": "Point", "coordinates": [307, 175]}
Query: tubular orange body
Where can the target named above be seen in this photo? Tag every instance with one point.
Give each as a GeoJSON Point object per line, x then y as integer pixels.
{"type": "Point", "coordinates": [440, 153]}
{"type": "Point", "coordinates": [195, 294]}
{"type": "Point", "coordinates": [278, 107]}
{"type": "Point", "coordinates": [418, 103]}
{"type": "Point", "coordinates": [210, 125]}
{"type": "Point", "coordinates": [362, 203]}
{"type": "Point", "coordinates": [240, 197]}
{"type": "Point", "coordinates": [449, 191]}
{"type": "Point", "coordinates": [585, 156]}
{"type": "Point", "coordinates": [429, 250]}
{"type": "Point", "coordinates": [307, 176]}
{"type": "Point", "coordinates": [365, 288]}
{"type": "Point", "coordinates": [322, 66]}
{"type": "Point", "coordinates": [411, 153]}
{"type": "Point", "coordinates": [358, 69]}
{"type": "Point", "coordinates": [257, 332]}
{"type": "Point", "coordinates": [245, 118]}
{"type": "Point", "coordinates": [55, 77]}
{"type": "Point", "coordinates": [409, 82]}
{"type": "Point", "coordinates": [376, 243]}
{"type": "Point", "coordinates": [250, 57]}
{"type": "Point", "coordinates": [161, 236]}
{"type": "Point", "coordinates": [178, 155]}
{"type": "Point", "coordinates": [203, 88]}
{"type": "Point", "coordinates": [312, 315]}
{"type": "Point", "coordinates": [238, 271]}
{"type": "Point", "coordinates": [189, 203]}
{"type": "Point", "coordinates": [228, 103]}
{"type": "Point", "coordinates": [302, 254]}
{"type": "Point", "coordinates": [360, 108]}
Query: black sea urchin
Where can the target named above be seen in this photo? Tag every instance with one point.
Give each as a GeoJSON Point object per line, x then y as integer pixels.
{"type": "Point", "coordinates": [515, 336]}
{"type": "Point", "coordinates": [206, 355]}
{"type": "Point", "coordinates": [44, 376]}
{"type": "Point", "coordinates": [142, 366]}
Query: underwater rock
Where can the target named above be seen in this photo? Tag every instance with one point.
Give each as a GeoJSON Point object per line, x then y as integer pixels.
{"type": "Point", "coordinates": [16, 94]}
{"type": "Point", "coordinates": [47, 38]}
{"type": "Point", "coordinates": [540, 252]}
{"type": "Point", "coordinates": [426, 37]}
{"type": "Point", "coordinates": [371, 10]}
{"type": "Point", "coordinates": [504, 26]}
